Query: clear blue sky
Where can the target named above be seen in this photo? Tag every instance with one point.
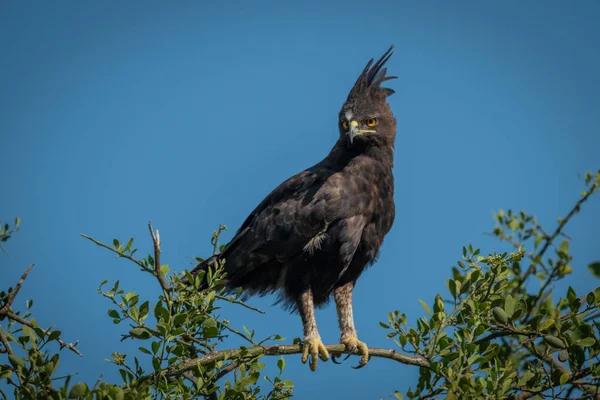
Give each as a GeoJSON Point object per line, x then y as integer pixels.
{"type": "Point", "coordinates": [113, 114]}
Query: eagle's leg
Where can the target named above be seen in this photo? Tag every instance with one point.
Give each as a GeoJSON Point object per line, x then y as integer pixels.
{"type": "Point", "coordinates": [312, 340]}
{"type": "Point", "coordinates": [349, 338]}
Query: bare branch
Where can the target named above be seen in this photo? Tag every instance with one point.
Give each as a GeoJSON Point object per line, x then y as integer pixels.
{"type": "Point", "coordinates": [97, 382]}
{"type": "Point", "coordinates": [15, 291]}
{"type": "Point", "coordinates": [157, 251]}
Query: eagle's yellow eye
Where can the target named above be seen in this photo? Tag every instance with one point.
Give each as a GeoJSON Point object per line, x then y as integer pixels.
{"type": "Point", "coordinates": [371, 121]}
{"type": "Point", "coordinates": [345, 125]}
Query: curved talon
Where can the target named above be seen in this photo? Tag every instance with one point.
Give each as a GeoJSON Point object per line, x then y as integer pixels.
{"type": "Point", "coordinates": [334, 359]}
{"type": "Point", "coordinates": [316, 349]}
{"type": "Point", "coordinates": [353, 344]}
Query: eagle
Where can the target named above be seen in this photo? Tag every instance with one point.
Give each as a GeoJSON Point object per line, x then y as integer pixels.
{"type": "Point", "coordinates": [312, 237]}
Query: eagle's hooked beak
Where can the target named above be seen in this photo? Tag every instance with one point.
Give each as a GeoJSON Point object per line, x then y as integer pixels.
{"type": "Point", "coordinates": [354, 131]}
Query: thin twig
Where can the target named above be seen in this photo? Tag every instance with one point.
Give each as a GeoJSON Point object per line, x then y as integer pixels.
{"type": "Point", "coordinates": [16, 318]}
{"type": "Point", "coordinates": [240, 334]}
{"type": "Point", "coordinates": [130, 258]}
{"type": "Point", "coordinates": [287, 349]}
{"type": "Point", "coordinates": [232, 365]}
{"type": "Point", "coordinates": [539, 296]}
{"type": "Point", "coordinates": [13, 294]}
{"type": "Point", "coordinates": [241, 303]}
{"type": "Point", "coordinates": [97, 382]}
{"type": "Point", "coordinates": [558, 231]}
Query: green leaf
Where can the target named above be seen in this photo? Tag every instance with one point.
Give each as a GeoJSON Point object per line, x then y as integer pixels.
{"type": "Point", "coordinates": [500, 315]}
{"type": "Point", "coordinates": [384, 326]}
{"type": "Point", "coordinates": [16, 361]}
{"type": "Point", "coordinates": [591, 298]}
{"type": "Point", "coordinates": [54, 335]}
{"type": "Point", "coordinates": [564, 247]}
{"type": "Point", "coordinates": [398, 395]}
{"type": "Point", "coordinates": [164, 269]}
{"type": "Point", "coordinates": [144, 308]}
{"type": "Point", "coordinates": [78, 390]}
{"type": "Point", "coordinates": [114, 314]}
{"type": "Point", "coordinates": [538, 239]}
{"type": "Point", "coordinates": [155, 346]}
{"type": "Point", "coordinates": [554, 342]}
{"type": "Point", "coordinates": [564, 377]}
{"type": "Point", "coordinates": [452, 287]}
{"type": "Point", "coordinates": [160, 312]}
{"type": "Point", "coordinates": [587, 342]}
{"type": "Point", "coordinates": [209, 328]}
{"type": "Point", "coordinates": [509, 305]}
{"type": "Point", "coordinates": [425, 306]}
{"type": "Point", "coordinates": [140, 333]}
{"type": "Point", "coordinates": [6, 373]}
{"type": "Point", "coordinates": [595, 269]}
{"type": "Point", "coordinates": [180, 319]}
{"type": "Point", "coordinates": [118, 393]}
{"type": "Point", "coordinates": [129, 295]}
{"type": "Point", "coordinates": [281, 365]}
{"type": "Point", "coordinates": [563, 355]}
{"type": "Point", "coordinates": [546, 324]}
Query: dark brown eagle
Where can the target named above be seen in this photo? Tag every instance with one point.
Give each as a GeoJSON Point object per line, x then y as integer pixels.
{"type": "Point", "coordinates": [316, 233]}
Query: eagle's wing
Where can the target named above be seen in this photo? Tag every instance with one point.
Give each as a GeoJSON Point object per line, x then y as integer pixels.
{"type": "Point", "coordinates": [282, 224]}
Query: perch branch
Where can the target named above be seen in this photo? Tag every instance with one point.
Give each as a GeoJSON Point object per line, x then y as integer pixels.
{"type": "Point", "coordinates": [287, 350]}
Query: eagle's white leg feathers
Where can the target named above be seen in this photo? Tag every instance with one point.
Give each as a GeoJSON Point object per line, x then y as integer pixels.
{"type": "Point", "coordinates": [313, 345]}
{"type": "Point", "coordinates": [349, 338]}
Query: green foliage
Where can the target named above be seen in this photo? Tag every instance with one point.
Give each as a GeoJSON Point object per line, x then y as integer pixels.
{"type": "Point", "coordinates": [499, 332]}
{"type": "Point", "coordinates": [500, 336]}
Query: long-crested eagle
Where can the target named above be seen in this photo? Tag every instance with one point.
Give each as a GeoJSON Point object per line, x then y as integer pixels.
{"type": "Point", "coordinates": [316, 233]}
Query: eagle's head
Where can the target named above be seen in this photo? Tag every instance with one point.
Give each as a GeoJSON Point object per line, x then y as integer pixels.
{"type": "Point", "coordinates": [366, 116]}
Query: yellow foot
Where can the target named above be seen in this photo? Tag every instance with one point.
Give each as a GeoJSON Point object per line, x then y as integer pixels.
{"type": "Point", "coordinates": [353, 344]}
{"type": "Point", "coordinates": [315, 348]}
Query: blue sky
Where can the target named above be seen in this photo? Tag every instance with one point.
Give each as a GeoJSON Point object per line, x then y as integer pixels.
{"type": "Point", "coordinates": [113, 114]}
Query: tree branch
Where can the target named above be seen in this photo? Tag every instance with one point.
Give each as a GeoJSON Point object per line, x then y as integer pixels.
{"type": "Point", "coordinates": [241, 303]}
{"type": "Point", "coordinates": [6, 310]}
{"type": "Point", "coordinates": [157, 251]}
{"type": "Point", "coordinates": [130, 258]}
{"type": "Point", "coordinates": [15, 291]}
{"type": "Point", "coordinates": [287, 350]}
{"type": "Point", "coordinates": [559, 228]}
{"type": "Point", "coordinates": [4, 341]}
